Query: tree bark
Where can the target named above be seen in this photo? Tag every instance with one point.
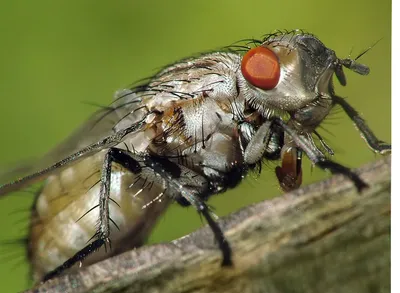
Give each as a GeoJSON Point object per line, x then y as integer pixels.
{"type": "Point", "coordinates": [325, 237]}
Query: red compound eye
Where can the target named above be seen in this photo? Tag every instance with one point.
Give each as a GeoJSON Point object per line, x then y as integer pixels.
{"type": "Point", "coordinates": [260, 67]}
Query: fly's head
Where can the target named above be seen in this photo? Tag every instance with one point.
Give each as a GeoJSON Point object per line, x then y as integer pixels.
{"type": "Point", "coordinates": [292, 70]}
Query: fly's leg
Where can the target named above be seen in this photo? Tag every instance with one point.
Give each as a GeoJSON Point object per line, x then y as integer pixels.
{"type": "Point", "coordinates": [78, 257]}
{"type": "Point", "coordinates": [372, 141]}
{"type": "Point", "coordinates": [180, 182]}
{"type": "Point", "coordinates": [204, 210]}
{"type": "Point", "coordinates": [317, 157]}
{"type": "Point", "coordinates": [257, 146]}
{"type": "Point", "coordinates": [192, 194]}
{"type": "Point", "coordinates": [259, 142]}
{"type": "Point", "coordinates": [123, 158]}
{"type": "Point", "coordinates": [266, 142]}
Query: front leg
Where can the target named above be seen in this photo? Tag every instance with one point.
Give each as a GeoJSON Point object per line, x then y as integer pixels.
{"type": "Point", "coordinates": [266, 142]}
{"type": "Point", "coordinates": [317, 157]}
{"type": "Point", "coordinates": [372, 141]}
{"type": "Point", "coordinates": [256, 148]}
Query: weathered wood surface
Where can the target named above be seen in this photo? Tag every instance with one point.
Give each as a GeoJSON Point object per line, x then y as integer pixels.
{"type": "Point", "coordinates": [322, 238]}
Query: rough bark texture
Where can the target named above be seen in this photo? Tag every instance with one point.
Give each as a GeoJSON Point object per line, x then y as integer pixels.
{"type": "Point", "coordinates": [325, 237]}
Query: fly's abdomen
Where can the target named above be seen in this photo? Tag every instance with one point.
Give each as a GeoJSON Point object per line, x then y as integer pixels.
{"type": "Point", "coordinates": [66, 213]}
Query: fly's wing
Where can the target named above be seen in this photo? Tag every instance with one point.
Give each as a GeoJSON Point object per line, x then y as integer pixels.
{"type": "Point", "coordinates": [104, 129]}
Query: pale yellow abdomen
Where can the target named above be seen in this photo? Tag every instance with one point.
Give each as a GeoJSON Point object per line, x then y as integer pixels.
{"type": "Point", "coordinates": [60, 227]}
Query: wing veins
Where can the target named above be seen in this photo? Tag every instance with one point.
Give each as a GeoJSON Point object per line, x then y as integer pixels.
{"type": "Point", "coordinates": [108, 141]}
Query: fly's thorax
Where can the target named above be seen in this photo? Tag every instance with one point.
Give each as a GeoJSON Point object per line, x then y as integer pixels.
{"type": "Point", "coordinates": [186, 104]}
{"type": "Point", "coordinates": [199, 134]}
{"type": "Point", "coordinates": [193, 109]}
{"type": "Point", "coordinates": [305, 73]}
{"type": "Point", "coordinates": [210, 75]}
{"type": "Point", "coordinates": [65, 215]}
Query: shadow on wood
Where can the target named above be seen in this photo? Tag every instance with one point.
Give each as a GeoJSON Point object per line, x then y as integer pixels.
{"type": "Point", "coordinates": [322, 238]}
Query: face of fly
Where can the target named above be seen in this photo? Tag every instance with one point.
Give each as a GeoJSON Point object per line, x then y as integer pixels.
{"type": "Point", "coordinates": [299, 70]}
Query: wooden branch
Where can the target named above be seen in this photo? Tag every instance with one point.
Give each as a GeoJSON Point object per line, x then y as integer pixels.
{"type": "Point", "coordinates": [322, 238]}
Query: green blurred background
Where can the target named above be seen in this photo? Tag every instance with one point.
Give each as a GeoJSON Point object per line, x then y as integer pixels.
{"type": "Point", "coordinates": [54, 55]}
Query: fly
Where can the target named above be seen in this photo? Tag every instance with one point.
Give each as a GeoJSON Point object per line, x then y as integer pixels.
{"type": "Point", "coordinates": [191, 131]}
